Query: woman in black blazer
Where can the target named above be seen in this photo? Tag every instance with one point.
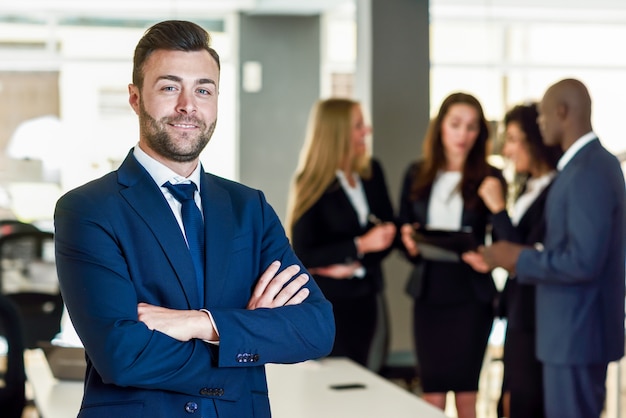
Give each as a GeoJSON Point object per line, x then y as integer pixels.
{"type": "Point", "coordinates": [340, 221]}
{"type": "Point", "coordinates": [535, 167]}
{"type": "Point", "coordinates": [453, 304]}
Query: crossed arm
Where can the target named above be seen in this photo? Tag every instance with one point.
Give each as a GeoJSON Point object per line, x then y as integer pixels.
{"type": "Point", "coordinates": [269, 292]}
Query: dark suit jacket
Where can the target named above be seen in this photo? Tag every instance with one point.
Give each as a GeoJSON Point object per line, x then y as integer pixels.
{"type": "Point", "coordinates": [118, 243]}
{"type": "Point", "coordinates": [477, 219]}
{"type": "Point", "coordinates": [325, 235]}
{"type": "Point", "coordinates": [518, 300]}
{"type": "Point", "coordinates": [580, 273]}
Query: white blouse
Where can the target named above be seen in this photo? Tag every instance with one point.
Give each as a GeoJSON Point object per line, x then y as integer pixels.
{"type": "Point", "coordinates": [534, 187]}
{"type": "Point", "coordinates": [445, 208]}
{"type": "Point", "coordinates": [356, 195]}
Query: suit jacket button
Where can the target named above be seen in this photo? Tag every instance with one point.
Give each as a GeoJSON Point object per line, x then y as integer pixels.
{"type": "Point", "coordinates": [205, 391]}
{"type": "Point", "coordinates": [191, 407]}
{"type": "Point", "coordinates": [220, 392]}
{"type": "Point", "coordinates": [255, 358]}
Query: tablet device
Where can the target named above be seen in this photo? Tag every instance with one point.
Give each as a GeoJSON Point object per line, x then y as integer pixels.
{"type": "Point", "coordinates": [443, 245]}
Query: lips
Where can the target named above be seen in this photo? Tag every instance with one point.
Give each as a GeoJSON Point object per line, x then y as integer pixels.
{"type": "Point", "coordinates": [183, 125]}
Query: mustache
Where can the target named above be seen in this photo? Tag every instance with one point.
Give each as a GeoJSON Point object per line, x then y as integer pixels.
{"type": "Point", "coordinates": [184, 120]}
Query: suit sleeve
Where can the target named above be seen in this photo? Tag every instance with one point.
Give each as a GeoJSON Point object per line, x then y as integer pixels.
{"type": "Point", "coordinates": [581, 224]}
{"type": "Point", "coordinates": [287, 334]}
{"type": "Point", "coordinates": [503, 227]}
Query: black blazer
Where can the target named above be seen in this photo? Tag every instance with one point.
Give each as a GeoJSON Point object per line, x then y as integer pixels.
{"type": "Point", "coordinates": [476, 218]}
{"type": "Point", "coordinates": [518, 300]}
{"type": "Point", "coordinates": [325, 234]}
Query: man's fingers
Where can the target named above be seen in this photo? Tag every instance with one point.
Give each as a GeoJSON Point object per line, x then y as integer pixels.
{"type": "Point", "coordinates": [266, 278]}
{"type": "Point", "coordinates": [270, 285]}
{"type": "Point", "coordinates": [298, 297]}
{"type": "Point", "coordinates": [277, 283]}
{"type": "Point", "coordinates": [288, 292]}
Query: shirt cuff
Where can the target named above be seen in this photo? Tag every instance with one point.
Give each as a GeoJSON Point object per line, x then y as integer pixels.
{"type": "Point", "coordinates": [214, 327]}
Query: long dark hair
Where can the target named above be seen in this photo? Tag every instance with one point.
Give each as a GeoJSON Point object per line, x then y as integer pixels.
{"type": "Point", "coordinates": [434, 159]}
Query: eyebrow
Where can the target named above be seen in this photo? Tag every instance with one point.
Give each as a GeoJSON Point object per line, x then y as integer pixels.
{"type": "Point", "coordinates": [179, 79]}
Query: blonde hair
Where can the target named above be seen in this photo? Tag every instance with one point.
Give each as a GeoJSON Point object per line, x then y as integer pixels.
{"type": "Point", "coordinates": [326, 147]}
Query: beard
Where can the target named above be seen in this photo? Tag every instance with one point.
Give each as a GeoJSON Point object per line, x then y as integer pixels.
{"type": "Point", "coordinates": [189, 146]}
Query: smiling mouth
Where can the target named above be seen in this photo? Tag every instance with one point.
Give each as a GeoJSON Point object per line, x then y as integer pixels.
{"type": "Point", "coordinates": [183, 125]}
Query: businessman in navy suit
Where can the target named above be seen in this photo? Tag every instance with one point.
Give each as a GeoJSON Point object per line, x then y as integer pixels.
{"type": "Point", "coordinates": [156, 344]}
{"type": "Point", "coordinates": [579, 273]}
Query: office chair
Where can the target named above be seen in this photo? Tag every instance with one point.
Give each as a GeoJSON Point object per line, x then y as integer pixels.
{"type": "Point", "coordinates": [28, 278]}
{"type": "Point", "coordinates": [40, 314]}
{"type": "Point", "coordinates": [10, 226]}
{"type": "Point", "coordinates": [12, 393]}
{"type": "Point", "coordinates": [27, 261]}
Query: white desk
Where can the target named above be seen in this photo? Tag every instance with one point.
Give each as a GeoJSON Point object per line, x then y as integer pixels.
{"type": "Point", "coordinates": [304, 390]}
{"type": "Point", "coordinates": [53, 398]}
{"type": "Point", "coordinates": [300, 390]}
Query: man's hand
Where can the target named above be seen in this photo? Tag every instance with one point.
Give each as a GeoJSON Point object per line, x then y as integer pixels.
{"type": "Point", "coordinates": [270, 293]}
{"type": "Point", "coordinates": [337, 271]}
{"type": "Point", "coordinates": [502, 254]}
{"type": "Point", "coordinates": [476, 261]}
{"type": "Point", "coordinates": [182, 325]}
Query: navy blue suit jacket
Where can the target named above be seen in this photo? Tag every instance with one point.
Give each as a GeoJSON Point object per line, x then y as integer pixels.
{"type": "Point", "coordinates": [118, 243]}
{"type": "Point", "coordinates": [580, 273]}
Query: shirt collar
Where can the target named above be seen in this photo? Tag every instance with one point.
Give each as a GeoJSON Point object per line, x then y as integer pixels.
{"type": "Point", "coordinates": [574, 148]}
{"type": "Point", "coordinates": [540, 183]}
{"type": "Point", "coordinates": [161, 173]}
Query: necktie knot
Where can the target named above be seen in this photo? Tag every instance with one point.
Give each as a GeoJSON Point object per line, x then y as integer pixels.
{"type": "Point", "coordinates": [182, 191]}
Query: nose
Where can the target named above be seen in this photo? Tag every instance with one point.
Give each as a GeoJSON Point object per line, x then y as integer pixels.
{"type": "Point", "coordinates": [507, 149]}
{"type": "Point", "coordinates": [186, 103]}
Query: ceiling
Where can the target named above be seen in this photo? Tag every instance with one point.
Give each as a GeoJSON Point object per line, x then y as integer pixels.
{"type": "Point", "coordinates": [194, 9]}
{"type": "Point", "coordinates": [145, 9]}
{"type": "Point", "coordinates": [610, 11]}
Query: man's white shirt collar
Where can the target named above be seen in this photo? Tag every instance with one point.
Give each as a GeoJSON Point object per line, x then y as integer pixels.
{"type": "Point", "coordinates": [161, 173]}
{"type": "Point", "coordinates": [574, 148]}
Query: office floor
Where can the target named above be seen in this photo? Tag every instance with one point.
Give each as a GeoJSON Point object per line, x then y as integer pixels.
{"type": "Point", "coordinates": [489, 390]}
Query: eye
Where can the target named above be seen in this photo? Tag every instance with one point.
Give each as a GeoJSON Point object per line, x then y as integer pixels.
{"type": "Point", "coordinates": [208, 90]}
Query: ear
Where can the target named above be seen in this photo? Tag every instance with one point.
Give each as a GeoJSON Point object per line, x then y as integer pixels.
{"type": "Point", "coordinates": [562, 110]}
{"type": "Point", "coordinates": [134, 97]}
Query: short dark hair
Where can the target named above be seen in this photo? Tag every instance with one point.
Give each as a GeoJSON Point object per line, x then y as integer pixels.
{"type": "Point", "coordinates": [172, 35]}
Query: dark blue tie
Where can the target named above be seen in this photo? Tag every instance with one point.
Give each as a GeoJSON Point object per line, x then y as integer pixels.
{"type": "Point", "coordinates": [194, 228]}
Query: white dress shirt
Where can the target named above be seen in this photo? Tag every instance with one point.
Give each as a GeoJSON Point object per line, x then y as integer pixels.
{"type": "Point", "coordinates": [162, 174]}
{"type": "Point", "coordinates": [574, 148]}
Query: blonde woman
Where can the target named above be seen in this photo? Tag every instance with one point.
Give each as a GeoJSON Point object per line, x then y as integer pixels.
{"type": "Point", "coordinates": [340, 221]}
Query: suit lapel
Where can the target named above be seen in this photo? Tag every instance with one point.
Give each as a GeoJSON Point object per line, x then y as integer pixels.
{"type": "Point", "coordinates": [145, 197]}
{"type": "Point", "coordinates": [219, 230]}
